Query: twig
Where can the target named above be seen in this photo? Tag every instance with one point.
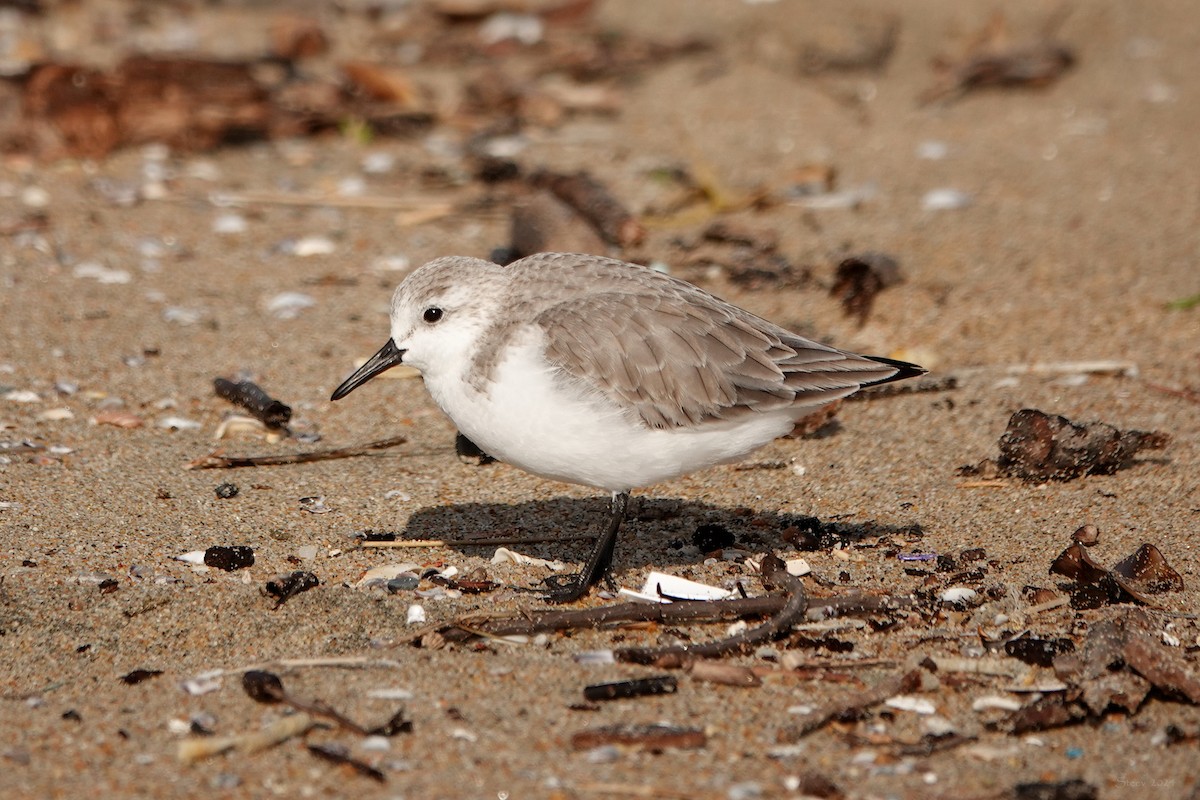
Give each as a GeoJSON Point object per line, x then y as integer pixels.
{"type": "Point", "coordinates": [250, 396]}
{"type": "Point", "coordinates": [902, 684]}
{"type": "Point", "coordinates": [531, 623]}
{"type": "Point", "coordinates": [1186, 394]}
{"type": "Point", "coordinates": [620, 613]}
{"type": "Point", "coordinates": [344, 662]}
{"type": "Point", "coordinates": [473, 542]}
{"type": "Point", "coordinates": [773, 571]}
{"type": "Point", "coordinates": [265, 687]}
{"type": "Point", "coordinates": [379, 202]}
{"type": "Point", "coordinates": [192, 750]}
{"type": "Point", "coordinates": [635, 790]}
{"type": "Point", "coordinates": [218, 461]}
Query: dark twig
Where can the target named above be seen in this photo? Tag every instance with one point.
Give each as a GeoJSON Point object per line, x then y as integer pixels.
{"type": "Point", "coordinates": [774, 571]}
{"type": "Point", "coordinates": [250, 396]}
{"type": "Point", "coordinates": [218, 461]}
{"type": "Point", "coordinates": [854, 706]}
{"type": "Point", "coordinates": [1185, 393]}
{"type": "Point", "coordinates": [622, 613]}
{"type": "Point", "coordinates": [531, 623]}
{"type": "Point", "coordinates": [266, 687]}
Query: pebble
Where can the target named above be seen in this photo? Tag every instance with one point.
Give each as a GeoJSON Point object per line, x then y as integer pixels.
{"type": "Point", "coordinates": [415, 615]}
{"type": "Point", "coordinates": [390, 694]}
{"type": "Point", "coordinates": [178, 423]}
{"type": "Point", "coordinates": [100, 273]}
{"type": "Point", "coordinates": [527, 29]}
{"type": "Point", "coordinates": [604, 754]}
{"type": "Point", "coordinates": [402, 583]}
{"type": "Point", "coordinates": [35, 197]}
{"type": "Point", "coordinates": [993, 701]}
{"type": "Point", "coordinates": [945, 200]}
{"type": "Point", "coordinates": [230, 224]}
{"type": "Point", "coordinates": [375, 744]}
{"type": "Point", "coordinates": [391, 264]}
{"type": "Point", "coordinates": [378, 163]}
{"type": "Point", "coordinates": [906, 702]}
{"type": "Point", "coordinates": [288, 305]}
{"type": "Point", "coordinates": [181, 315]}
{"type": "Point", "coordinates": [932, 150]}
{"type": "Point", "coordinates": [313, 246]}
{"type": "Point", "coordinates": [22, 396]}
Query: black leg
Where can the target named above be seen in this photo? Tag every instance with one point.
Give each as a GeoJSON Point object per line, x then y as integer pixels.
{"type": "Point", "coordinates": [567, 589]}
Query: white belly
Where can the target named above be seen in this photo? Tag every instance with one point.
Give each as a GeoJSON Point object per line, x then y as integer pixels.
{"type": "Point", "coordinates": [534, 419]}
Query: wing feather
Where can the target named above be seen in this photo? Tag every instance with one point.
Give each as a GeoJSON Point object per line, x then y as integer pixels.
{"type": "Point", "coordinates": [676, 356]}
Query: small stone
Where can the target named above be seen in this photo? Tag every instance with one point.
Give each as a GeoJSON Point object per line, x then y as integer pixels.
{"type": "Point", "coordinates": [229, 558]}
{"type": "Point", "coordinates": [227, 490]}
{"type": "Point", "coordinates": [1086, 535]}
{"type": "Point", "coordinates": [945, 200]}
{"type": "Point", "coordinates": [403, 583]}
{"type": "Point", "coordinates": [230, 224]}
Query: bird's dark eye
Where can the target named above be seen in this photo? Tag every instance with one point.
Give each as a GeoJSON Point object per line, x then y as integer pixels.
{"type": "Point", "coordinates": [432, 314]}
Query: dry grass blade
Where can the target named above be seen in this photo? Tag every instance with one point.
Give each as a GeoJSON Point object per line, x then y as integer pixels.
{"type": "Point", "coordinates": [218, 461]}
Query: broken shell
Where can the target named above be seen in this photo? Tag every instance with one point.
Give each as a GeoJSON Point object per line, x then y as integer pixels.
{"type": "Point", "coordinates": [118, 418]}
{"type": "Point", "coordinates": [907, 702]}
{"type": "Point", "coordinates": [662, 588]}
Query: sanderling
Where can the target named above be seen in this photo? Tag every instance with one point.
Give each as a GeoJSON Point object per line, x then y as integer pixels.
{"type": "Point", "coordinates": [593, 371]}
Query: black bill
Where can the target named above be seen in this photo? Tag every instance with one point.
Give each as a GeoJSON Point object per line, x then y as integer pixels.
{"type": "Point", "coordinates": [388, 356]}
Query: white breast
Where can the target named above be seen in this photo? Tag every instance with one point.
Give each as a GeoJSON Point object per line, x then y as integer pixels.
{"type": "Point", "coordinates": [536, 418]}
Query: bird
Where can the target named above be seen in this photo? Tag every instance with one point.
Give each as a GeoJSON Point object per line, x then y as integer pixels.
{"type": "Point", "coordinates": [593, 371]}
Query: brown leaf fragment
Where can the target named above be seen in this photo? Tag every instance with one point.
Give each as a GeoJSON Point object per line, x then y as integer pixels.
{"type": "Point", "coordinates": [294, 37]}
{"type": "Point", "coordinates": [1161, 666]}
{"type": "Point", "coordinates": [1051, 711]}
{"type": "Point", "coordinates": [870, 51]}
{"type": "Point", "coordinates": [1121, 661]}
{"type": "Point", "coordinates": [816, 784]}
{"type": "Point", "coordinates": [1076, 564]}
{"type": "Point", "coordinates": [1038, 446]}
{"type": "Point", "coordinates": [138, 675]}
{"type": "Point", "coordinates": [188, 103]}
{"type": "Point", "coordinates": [993, 61]}
{"type": "Point", "coordinates": [381, 83]}
{"type": "Point", "coordinates": [859, 280]}
{"type": "Point", "coordinates": [286, 587]}
{"type": "Point", "coordinates": [1148, 569]}
{"type": "Point", "coordinates": [1037, 651]}
{"type": "Point", "coordinates": [654, 738]}
{"type": "Point", "coordinates": [544, 224]}
{"type": "Point", "coordinates": [595, 203]}
{"type": "Point", "coordinates": [1136, 577]}
{"type": "Point", "coordinates": [70, 110]}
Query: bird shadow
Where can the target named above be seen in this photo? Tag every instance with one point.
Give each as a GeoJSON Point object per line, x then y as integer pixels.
{"type": "Point", "coordinates": [657, 531]}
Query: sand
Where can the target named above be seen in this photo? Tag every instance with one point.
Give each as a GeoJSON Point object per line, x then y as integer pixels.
{"type": "Point", "coordinates": [1080, 230]}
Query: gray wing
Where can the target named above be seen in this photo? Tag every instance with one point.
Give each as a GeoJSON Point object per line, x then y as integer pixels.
{"type": "Point", "coordinates": [680, 357]}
